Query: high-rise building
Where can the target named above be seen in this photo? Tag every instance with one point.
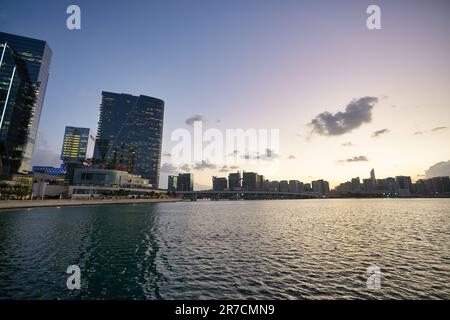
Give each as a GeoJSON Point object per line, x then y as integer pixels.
{"type": "Point", "coordinates": [284, 186]}
{"type": "Point", "coordinates": [234, 181]}
{"type": "Point", "coordinates": [355, 185]}
{"type": "Point", "coordinates": [185, 182]}
{"type": "Point", "coordinates": [75, 145]}
{"type": "Point", "coordinates": [403, 185]}
{"type": "Point", "coordinates": [294, 186]}
{"type": "Point", "coordinates": [24, 67]}
{"type": "Point", "coordinates": [321, 187]}
{"type": "Point", "coordinates": [172, 183]}
{"type": "Point", "coordinates": [250, 181]}
{"type": "Point", "coordinates": [129, 135]}
{"type": "Point", "coordinates": [219, 183]}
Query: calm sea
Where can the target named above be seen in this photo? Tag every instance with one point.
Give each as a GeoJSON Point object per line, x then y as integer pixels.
{"type": "Point", "coordinates": [291, 249]}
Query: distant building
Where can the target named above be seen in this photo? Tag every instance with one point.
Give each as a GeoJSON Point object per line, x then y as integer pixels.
{"type": "Point", "coordinates": [74, 148]}
{"type": "Point", "coordinates": [273, 186]}
{"type": "Point", "coordinates": [24, 72]}
{"type": "Point", "coordinates": [75, 145]}
{"type": "Point", "coordinates": [403, 185]}
{"type": "Point", "coordinates": [432, 186]}
{"type": "Point", "coordinates": [321, 187]}
{"type": "Point", "coordinates": [308, 187]}
{"type": "Point", "coordinates": [185, 182]}
{"type": "Point", "coordinates": [129, 135]}
{"type": "Point", "coordinates": [234, 181]}
{"type": "Point", "coordinates": [284, 186]}
{"type": "Point", "coordinates": [386, 185]}
{"type": "Point", "coordinates": [219, 183]}
{"type": "Point", "coordinates": [294, 186]}
{"type": "Point", "coordinates": [260, 185]}
{"type": "Point", "coordinates": [250, 181]}
{"type": "Point", "coordinates": [172, 184]}
{"type": "Point", "coordinates": [369, 186]}
{"type": "Point", "coordinates": [355, 185]}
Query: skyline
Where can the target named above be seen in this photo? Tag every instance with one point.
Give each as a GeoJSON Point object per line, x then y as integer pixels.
{"type": "Point", "coordinates": [256, 66]}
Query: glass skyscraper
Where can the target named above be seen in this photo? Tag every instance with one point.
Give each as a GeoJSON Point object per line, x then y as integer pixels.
{"type": "Point", "coordinates": [24, 67]}
{"type": "Point", "coordinates": [129, 134]}
{"type": "Point", "coordinates": [75, 145]}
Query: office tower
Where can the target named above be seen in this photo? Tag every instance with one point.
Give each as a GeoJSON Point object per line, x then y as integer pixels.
{"type": "Point", "coordinates": [219, 183]}
{"type": "Point", "coordinates": [294, 186]}
{"type": "Point", "coordinates": [172, 183]}
{"type": "Point", "coordinates": [403, 185]}
{"type": "Point", "coordinates": [321, 187]}
{"type": "Point", "coordinates": [129, 135]}
{"type": "Point", "coordinates": [260, 185]}
{"type": "Point", "coordinates": [75, 145]}
{"type": "Point", "coordinates": [372, 176]}
{"type": "Point", "coordinates": [355, 185]}
{"type": "Point", "coordinates": [284, 186]}
{"type": "Point", "coordinates": [307, 187]}
{"type": "Point", "coordinates": [234, 181]}
{"type": "Point", "coordinates": [368, 185]}
{"type": "Point", "coordinates": [274, 186]}
{"type": "Point", "coordinates": [24, 67]}
{"type": "Point", "coordinates": [250, 181]}
{"type": "Point", "coordinates": [185, 182]}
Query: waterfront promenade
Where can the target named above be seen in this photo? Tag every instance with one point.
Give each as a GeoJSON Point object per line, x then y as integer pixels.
{"type": "Point", "coordinates": [16, 204]}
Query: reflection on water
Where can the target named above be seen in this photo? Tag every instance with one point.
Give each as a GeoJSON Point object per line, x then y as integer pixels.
{"type": "Point", "coordinates": [295, 249]}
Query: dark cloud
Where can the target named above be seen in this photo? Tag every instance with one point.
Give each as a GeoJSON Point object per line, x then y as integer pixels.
{"type": "Point", "coordinates": [269, 155]}
{"type": "Point", "coordinates": [168, 168]}
{"type": "Point", "coordinates": [438, 128]}
{"type": "Point", "coordinates": [379, 133]}
{"type": "Point", "coordinates": [439, 169]}
{"type": "Point", "coordinates": [185, 167]}
{"type": "Point", "coordinates": [354, 159]}
{"type": "Point", "coordinates": [204, 165]}
{"type": "Point", "coordinates": [291, 157]}
{"type": "Point", "coordinates": [228, 168]}
{"type": "Point", "coordinates": [357, 112]}
{"type": "Point", "coordinates": [347, 144]}
{"type": "Point", "coordinates": [190, 121]}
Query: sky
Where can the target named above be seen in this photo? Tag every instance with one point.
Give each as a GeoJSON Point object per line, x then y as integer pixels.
{"type": "Point", "coordinates": [344, 98]}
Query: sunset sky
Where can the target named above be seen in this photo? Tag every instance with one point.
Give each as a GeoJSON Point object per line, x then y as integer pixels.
{"type": "Point", "coordinates": [288, 65]}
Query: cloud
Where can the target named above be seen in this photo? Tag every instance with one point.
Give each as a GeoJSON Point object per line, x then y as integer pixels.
{"type": "Point", "coordinates": [357, 112]}
{"type": "Point", "coordinates": [347, 144]}
{"type": "Point", "coordinates": [438, 128]}
{"type": "Point", "coordinates": [185, 167]}
{"type": "Point", "coordinates": [379, 133]}
{"type": "Point", "coordinates": [228, 168]}
{"type": "Point", "coordinates": [354, 159]}
{"type": "Point", "coordinates": [291, 157]}
{"type": "Point", "coordinates": [168, 168]}
{"type": "Point", "coordinates": [190, 121]}
{"type": "Point", "coordinates": [418, 133]}
{"type": "Point", "coordinates": [438, 170]}
{"type": "Point", "coordinates": [269, 155]}
{"type": "Point", "coordinates": [204, 165]}
{"type": "Point", "coordinates": [44, 154]}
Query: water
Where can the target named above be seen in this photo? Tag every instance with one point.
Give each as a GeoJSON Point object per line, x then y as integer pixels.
{"type": "Point", "coordinates": [293, 249]}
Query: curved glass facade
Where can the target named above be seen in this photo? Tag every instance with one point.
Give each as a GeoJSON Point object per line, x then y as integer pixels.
{"type": "Point", "coordinates": [24, 66]}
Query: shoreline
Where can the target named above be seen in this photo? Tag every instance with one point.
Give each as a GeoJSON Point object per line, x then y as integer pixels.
{"type": "Point", "coordinates": [24, 204]}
